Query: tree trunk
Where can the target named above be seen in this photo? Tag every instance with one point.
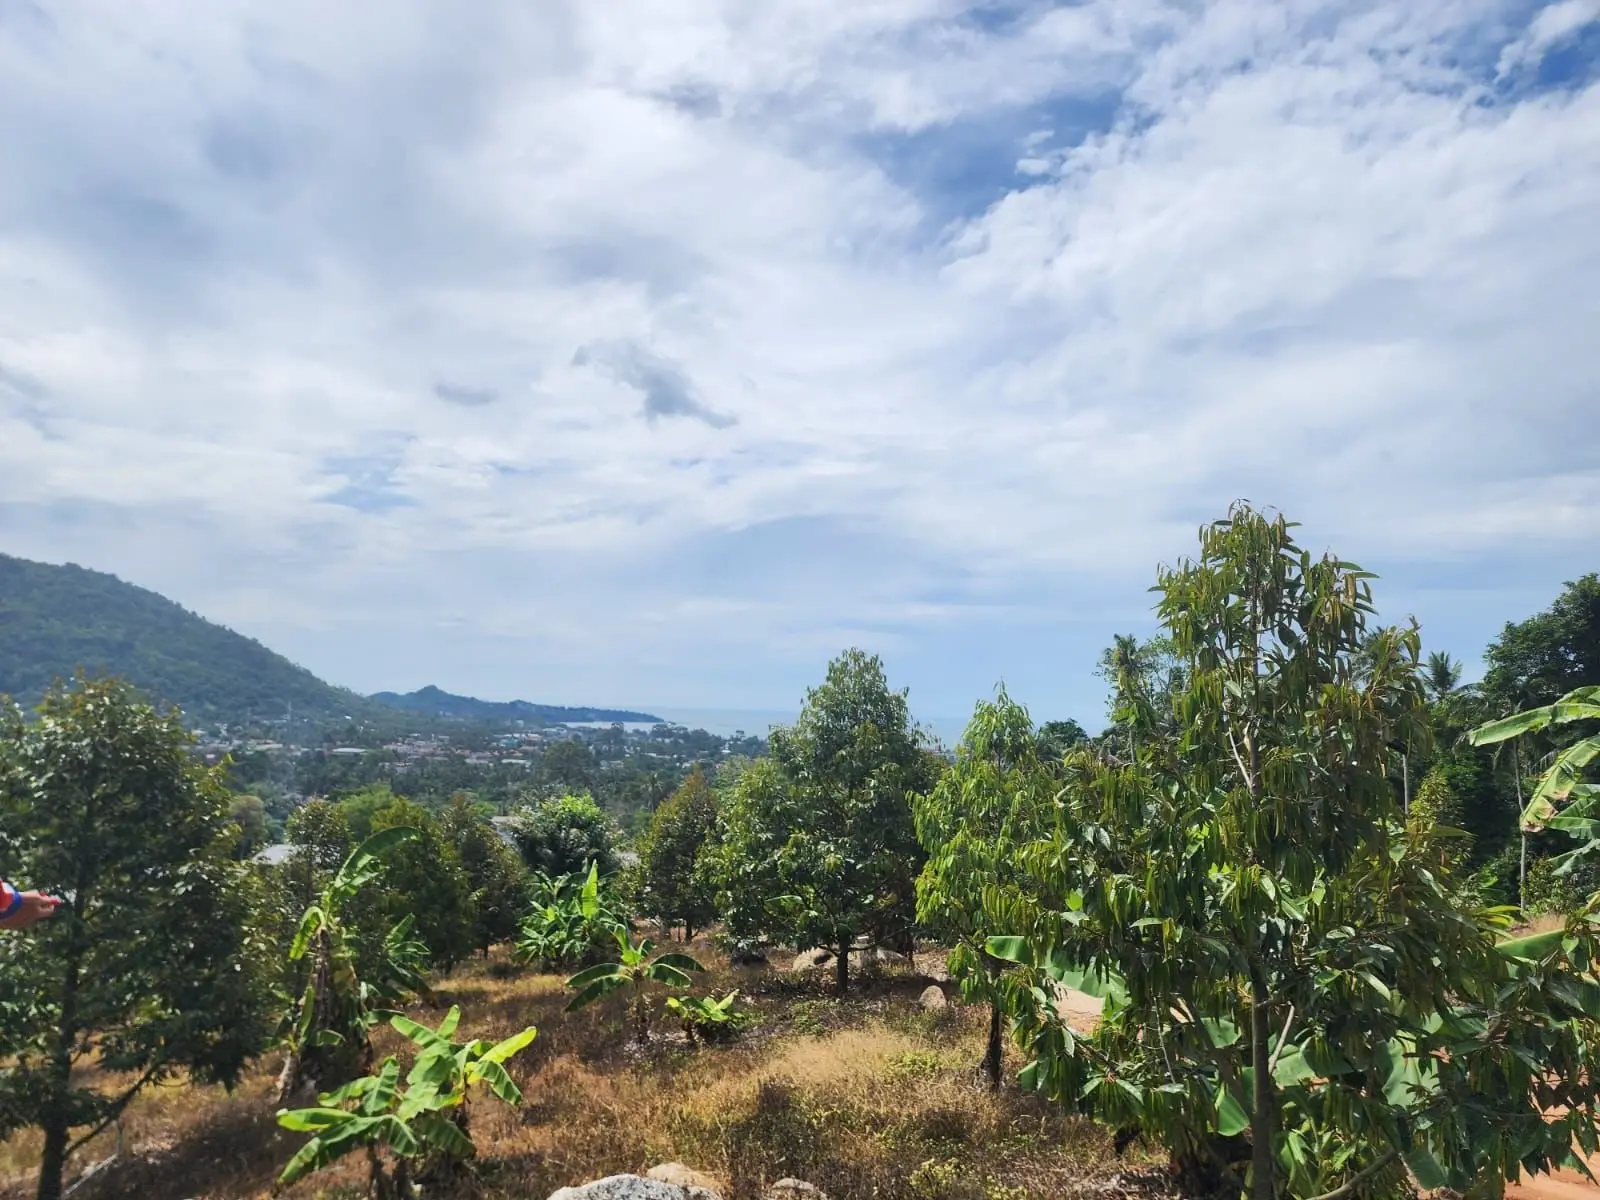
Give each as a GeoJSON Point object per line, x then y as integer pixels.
{"type": "Point", "coordinates": [841, 966]}
{"type": "Point", "coordinates": [53, 1158]}
{"type": "Point", "coordinates": [1262, 1115]}
{"type": "Point", "coordinates": [991, 1058]}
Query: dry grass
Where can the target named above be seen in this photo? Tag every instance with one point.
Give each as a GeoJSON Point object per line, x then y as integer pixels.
{"type": "Point", "coordinates": [866, 1098]}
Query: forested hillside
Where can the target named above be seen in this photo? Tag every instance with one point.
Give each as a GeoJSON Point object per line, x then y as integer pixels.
{"type": "Point", "coordinates": [56, 619]}
{"type": "Point", "coordinates": [435, 702]}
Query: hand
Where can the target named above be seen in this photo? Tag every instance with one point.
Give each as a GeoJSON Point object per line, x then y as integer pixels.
{"type": "Point", "coordinates": [35, 907]}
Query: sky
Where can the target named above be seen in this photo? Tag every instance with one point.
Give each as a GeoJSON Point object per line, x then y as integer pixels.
{"type": "Point", "coordinates": [651, 353]}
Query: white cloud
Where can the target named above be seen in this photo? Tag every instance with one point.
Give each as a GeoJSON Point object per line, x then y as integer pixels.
{"type": "Point", "coordinates": [298, 296]}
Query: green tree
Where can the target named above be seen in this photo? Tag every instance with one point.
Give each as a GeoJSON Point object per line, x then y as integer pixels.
{"type": "Point", "coordinates": [997, 796]}
{"type": "Point", "coordinates": [1058, 737]}
{"type": "Point", "coordinates": [567, 767]}
{"type": "Point", "coordinates": [250, 815]}
{"type": "Point", "coordinates": [1279, 957]}
{"type": "Point", "coordinates": [360, 807]}
{"type": "Point", "coordinates": [151, 967]}
{"type": "Point", "coordinates": [564, 834]}
{"type": "Point", "coordinates": [670, 888]}
{"type": "Point", "coordinates": [1443, 676]}
{"type": "Point", "coordinates": [1536, 662]}
{"type": "Point", "coordinates": [495, 873]}
{"type": "Point", "coordinates": [818, 844]}
{"type": "Point", "coordinates": [423, 878]}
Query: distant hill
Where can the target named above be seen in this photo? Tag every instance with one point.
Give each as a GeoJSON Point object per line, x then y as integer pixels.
{"type": "Point", "coordinates": [56, 619]}
{"type": "Point", "coordinates": [438, 703]}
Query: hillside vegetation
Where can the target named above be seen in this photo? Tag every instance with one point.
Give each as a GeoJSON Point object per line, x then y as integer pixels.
{"type": "Point", "coordinates": [1268, 931]}
{"type": "Point", "coordinates": [55, 620]}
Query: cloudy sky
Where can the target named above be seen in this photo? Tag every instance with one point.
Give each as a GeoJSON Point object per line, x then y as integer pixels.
{"type": "Point", "coordinates": [651, 352]}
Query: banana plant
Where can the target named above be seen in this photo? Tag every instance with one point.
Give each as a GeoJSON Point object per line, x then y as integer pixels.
{"type": "Point", "coordinates": [707, 1017]}
{"type": "Point", "coordinates": [1563, 799]}
{"type": "Point", "coordinates": [637, 966]}
{"type": "Point", "coordinates": [326, 1030]}
{"type": "Point", "coordinates": [570, 921]}
{"type": "Point", "coordinates": [422, 1126]}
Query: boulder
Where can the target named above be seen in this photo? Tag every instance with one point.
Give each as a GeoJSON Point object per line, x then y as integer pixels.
{"type": "Point", "coordinates": [794, 1189]}
{"type": "Point", "coordinates": [811, 960]}
{"type": "Point", "coordinates": [874, 957]}
{"type": "Point", "coordinates": [634, 1187]}
{"type": "Point", "coordinates": [684, 1177]}
{"type": "Point", "coordinates": [932, 998]}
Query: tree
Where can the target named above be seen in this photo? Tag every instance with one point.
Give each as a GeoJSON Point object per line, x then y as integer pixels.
{"type": "Point", "coordinates": [818, 844]}
{"type": "Point", "coordinates": [1058, 737]}
{"type": "Point", "coordinates": [250, 815]}
{"type": "Point", "coordinates": [669, 886]}
{"type": "Point", "coordinates": [1535, 662]}
{"type": "Point", "coordinates": [1279, 956]}
{"type": "Point", "coordinates": [152, 965]}
{"type": "Point", "coordinates": [563, 835]}
{"type": "Point", "coordinates": [998, 796]}
{"type": "Point", "coordinates": [361, 806]}
{"type": "Point", "coordinates": [568, 767]}
{"type": "Point", "coordinates": [1443, 675]}
{"type": "Point", "coordinates": [423, 878]}
{"type": "Point", "coordinates": [495, 873]}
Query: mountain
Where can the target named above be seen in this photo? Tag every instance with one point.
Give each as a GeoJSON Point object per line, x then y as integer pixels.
{"type": "Point", "coordinates": [438, 703]}
{"type": "Point", "coordinates": [56, 619]}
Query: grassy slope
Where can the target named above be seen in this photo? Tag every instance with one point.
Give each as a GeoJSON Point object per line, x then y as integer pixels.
{"type": "Point", "coordinates": [866, 1098]}
{"type": "Point", "coordinates": [55, 619]}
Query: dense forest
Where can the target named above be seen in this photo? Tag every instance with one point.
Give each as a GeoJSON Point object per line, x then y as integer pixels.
{"type": "Point", "coordinates": [1292, 880]}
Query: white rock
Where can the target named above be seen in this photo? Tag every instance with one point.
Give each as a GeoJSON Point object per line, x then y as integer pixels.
{"type": "Point", "coordinates": [932, 998]}
{"type": "Point", "coordinates": [810, 960]}
{"type": "Point", "coordinates": [633, 1187]}
{"type": "Point", "coordinates": [794, 1189]}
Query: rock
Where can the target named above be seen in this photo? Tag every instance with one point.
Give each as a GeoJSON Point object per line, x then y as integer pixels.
{"type": "Point", "coordinates": [811, 960]}
{"type": "Point", "coordinates": [684, 1177]}
{"type": "Point", "coordinates": [635, 1187]}
{"type": "Point", "coordinates": [932, 998]}
{"type": "Point", "coordinates": [874, 957]}
{"type": "Point", "coordinates": [792, 1189]}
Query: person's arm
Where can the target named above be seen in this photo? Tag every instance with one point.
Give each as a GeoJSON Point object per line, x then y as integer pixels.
{"type": "Point", "coordinates": [20, 909]}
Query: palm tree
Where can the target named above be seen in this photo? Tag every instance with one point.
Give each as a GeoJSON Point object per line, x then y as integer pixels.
{"type": "Point", "coordinates": [1443, 675]}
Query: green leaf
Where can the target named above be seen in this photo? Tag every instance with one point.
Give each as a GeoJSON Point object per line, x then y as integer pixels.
{"type": "Point", "coordinates": [1010, 949]}
{"type": "Point", "coordinates": [671, 976]}
{"type": "Point", "coordinates": [1430, 1174]}
{"type": "Point", "coordinates": [447, 1027]}
{"type": "Point", "coordinates": [512, 1046]}
{"type": "Point", "coordinates": [310, 1120]}
{"type": "Point", "coordinates": [441, 1133]}
{"type": "Point", "coordinates": [590, 974]}
{"type": "Point", "coordinates": [1532, 948]}
{"type": "Point", "coordinates": [310, 922]}
{"type": "Point", "coordinates": [682, 962]}
{"type": "Point", "coordinates": [1231, 1116]}
{"type": "Point", "coordinates": [499, 1081]}
{"type": "Point", "coordinates": [1221, 1031]}
{"type": "Point", "coordinates": [595, 990]}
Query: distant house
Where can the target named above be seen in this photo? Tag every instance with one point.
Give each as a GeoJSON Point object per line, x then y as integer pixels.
{"type": "Point", "coordinates": [347, 751]}
{"type": "Point", "coordinates": [275, 855]}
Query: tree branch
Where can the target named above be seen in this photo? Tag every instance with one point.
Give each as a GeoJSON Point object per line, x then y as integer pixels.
{"type": "Point", "coordinates": [1283, 1040]}
{"type": "Point", "coordinates": [1360, 1177]}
